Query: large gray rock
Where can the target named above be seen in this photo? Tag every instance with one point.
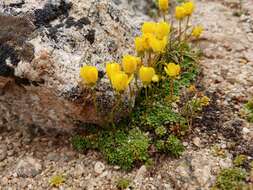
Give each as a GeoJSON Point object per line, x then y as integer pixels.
{"type": "Point", "coordinates": [62, 37]}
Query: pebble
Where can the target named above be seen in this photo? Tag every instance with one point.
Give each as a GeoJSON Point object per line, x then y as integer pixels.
{"type": "Point", "coordinates": [99, 167]}
{"type": "Point", "coordinates": [140, 175]}
{"type": "Point", "coordinates": [28, 167]}
{"type": "Point", "coordinates": [52, 156]}
{"type": "Point", "coordinates": [197, 141]}
{"type": "Point", "coordinates": [245, 130]}
{"type": "Point", "coordinates": [3, 152]}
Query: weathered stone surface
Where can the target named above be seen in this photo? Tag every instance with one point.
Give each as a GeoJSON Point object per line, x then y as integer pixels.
{"type": "Point", "coordinates": [197, 170]}
{"type": "Point", "coordinates": [3, 152]}
{"type": "Point", "coordinates": [28, 167]}
{"type": "Point", "coordinates": [63, 36]}
{"type": "Point", "coordinates": [38, 106]}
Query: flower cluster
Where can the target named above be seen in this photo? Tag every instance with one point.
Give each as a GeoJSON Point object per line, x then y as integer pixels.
{"type": "Point", "coordinates": [154, 37]}
{"type": "Point", "coordinates": [184, 10]}
{"type": "Point", "coordinates": [155, 40]}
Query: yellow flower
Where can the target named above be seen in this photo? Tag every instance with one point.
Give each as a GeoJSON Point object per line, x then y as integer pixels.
{"type": "Point", "coordinates": [148, 27]}
{"type": "Point", "coordinates": [189, 8]}
{"type": "Point", "coordinates": [197, 31]}
{"type": "Point", "coordinates": [146, 74]}
{"type": "Point", "coordinates": [142, 42]}
{"type": "Point", "coordinates": [163, 5]}
{"type": "Point", "coordinates": [139, 44]}
{"type": "Point", "coordinates": [155, 78]}
{"type": "Point", "coordinates": [162, 30]}
{"type": "Point", "coordinates": [158, 46]}
{"type": "Point", "coordinates": [172, 69]}
{"type": "Point", "coordinates": [130, 63]}
{"type": "Point", "coordinates": [112, 68]}
{"type": "Point", "coordinates": [204, 101]}
{"type": "Point", "coordinates": [180, 12]}
{"type": "Point", "coordinates": [146, 40]}
{"type": "Point", "coordinates": [120, 81]}
{"type": "Point", "coordinates": [192, 88]}
{"type": "Point", "coordinates": [89, 74]}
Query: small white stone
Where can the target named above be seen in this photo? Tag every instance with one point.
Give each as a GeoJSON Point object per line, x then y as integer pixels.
{"type": "Point", "coordinates": [197, 142]}
{"type": "Point", "coordinates": [99, 167]}
{"type": "Point", "coordinates": [245, 130]}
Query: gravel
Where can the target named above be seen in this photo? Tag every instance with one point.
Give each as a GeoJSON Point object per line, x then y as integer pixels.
{"type": "Point", "coordinates": [227, 70]}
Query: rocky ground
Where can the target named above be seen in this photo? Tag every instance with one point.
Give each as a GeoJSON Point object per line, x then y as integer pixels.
{"type": "Point", "coordinates": [29, 158]}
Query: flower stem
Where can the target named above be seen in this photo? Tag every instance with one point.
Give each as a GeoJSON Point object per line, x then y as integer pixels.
{"type": "Point", "coordinates": [113, 109]}
{"type": "Point", "coordinates": [186, 28]}
{"type": "Point", "coordinates": [130, 91]}
{"type": "Point", "coordinates": [136, 83]}
{"type": "Point", "coordinates": [149, 59]}
{"type": "Point", "coordinates": [146, 93]}
{"type": "Point", "coordinates": [164, 16]}
{"type": "Point", "coordinates": [171, 88]}
{"type": "Point", "coordinates": [170, 35]}
{"type": "Point", "coordinates": [180, 29]}
{"type": "Point", "coordinates": [95, 101]}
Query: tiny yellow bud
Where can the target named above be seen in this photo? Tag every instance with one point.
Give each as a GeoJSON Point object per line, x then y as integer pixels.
{"type": "Point", "coordinates": [158, 46]}
{"type": "Point", "coordinates": [146, 74]}
{"type": "Point", "coordinates": [197, 31]}
{"type": "Point", "coordinates": [180, 12]}
{"type": "Point", "coordinates": [172, 69]}
{"type": "Point", "coordinates": [163, 5]}
{"type": "Point", "coordinates": [189, 8]}
{"type": "Point", "coordinates": [89, 74]}
{"type": "Point", "coordinates": [111, 68]}
{"type": "Point", "coordinates": [130, 63]}
{"type": "Point", "coordinates": [162, 30]}
{"type": "Point", "coordinates": [148, 27]}
{"type": "Point", "coordinates": [155, 78]}
{"type": "Point", "coordinates": [192, 88]}
{"type": "Point", "coordinates": [120, 81]}
{"type": "Point", "coordinates": [205, 101]}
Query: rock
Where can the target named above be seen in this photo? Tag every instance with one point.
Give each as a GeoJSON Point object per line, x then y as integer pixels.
{"type": "Point", "coordinates": [28, 167]}
{"type": "Point", "coordinates": [141, 172]}
{"type": "Point", "coordinates": [14, 3]}
{"type": "Point", "coordinates": [197, 142]}
{"type": "Point", "coordinates": [67, 36]}
{"type": "Point", "coordinates": [245, 130]}
{"type": "Point", "coordinates": [10, 152]}
{"type": "Point", "coordinates": [138, 180]}
{"type": "Point", "coordinates": [194, 170]}
{"type": "Point", "coordinates": [79, 170]}
{"type": "Point", "coordinates": [3, 152]}
{"type": "Point", "coordinates": [52, 156]}
{"type": "Point", "coordinates": [99, 167]}
{"type": "Point", "coordinates": [232, 129]}
{"type": "Point", "coordinates": [167, 187]}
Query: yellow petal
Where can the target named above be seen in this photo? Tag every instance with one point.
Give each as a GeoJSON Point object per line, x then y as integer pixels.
{"type": "Point", "coordinates": [111, 68]}
{"type": "Point", "coordinates": [146, 74]}
{"type": "Point", "coordinates": [130, 63]}
{"type": "Point", "coordinates": [89, 74]}
{"type": "Point", "coordinates": [163, 5]}
{"type": "Point", "coordinates": [155, 78]}
{"type": "Point", "coordinates": [180, 12]}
